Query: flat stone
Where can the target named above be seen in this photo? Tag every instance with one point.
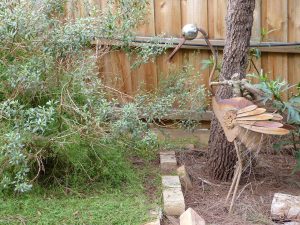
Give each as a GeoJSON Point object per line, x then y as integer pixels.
{"type": "Point", "coordinates": [168, 161]}
{"type": "Point", "coordinates": [185, 178]}
{"type": "Point", "coordinates": [171, 182]}
{"type": "Point", "coordinates": [173, 201]}
{"type": "Point", "coordinates": [190, 217]}
{"type": "Point", "coordinates": [167, 153]}
{"type": "Point", "coordinates": [285, 206]}
{"type": "Point", "coordinates": [292, 223]}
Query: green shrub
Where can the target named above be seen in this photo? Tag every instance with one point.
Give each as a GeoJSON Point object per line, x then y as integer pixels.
{"type": "Point", "coordinates": [54, 113]}
{"type": "Point", "coordinates": [58, 124]}
{"type": "Point", "coordinates": [290, 107]}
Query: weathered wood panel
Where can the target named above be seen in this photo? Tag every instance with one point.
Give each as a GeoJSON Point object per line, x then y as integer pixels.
{"type": "Point", "coordinates": [275, 22]}
{"type": "Point", "coordinates": [217, 10]}
{"type": "Point", "coordinates": [168, 22]}
{"type": "Point", "coordinates": [145, 77]}
{"type": "Point", "coordinates": [280, 18]}
{"type": "Point", "coordinates": [195, 12]}
{"type": "Point", "coordinates": [294, 36]}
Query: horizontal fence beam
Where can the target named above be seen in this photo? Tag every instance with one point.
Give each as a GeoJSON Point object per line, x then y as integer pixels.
{"type": "Point", "coordinates": [189, 115]}
{"type": "Point", "coordinates": [278, 47]}
{"type": "Point", "coordinates": [176, 114]}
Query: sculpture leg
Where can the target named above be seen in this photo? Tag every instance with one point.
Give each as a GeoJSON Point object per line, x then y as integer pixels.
{"type": "Point", "coordinates": [236, 171]}
{"type": "Point", "coordinates": [237, 176]}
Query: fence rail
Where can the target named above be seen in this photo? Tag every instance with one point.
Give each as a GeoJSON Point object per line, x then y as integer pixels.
{"type": "Point", "coordinates": [277, 47]}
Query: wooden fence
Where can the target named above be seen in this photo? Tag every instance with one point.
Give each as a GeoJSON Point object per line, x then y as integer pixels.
{"type": "Point", "coordinates": [278, 17]}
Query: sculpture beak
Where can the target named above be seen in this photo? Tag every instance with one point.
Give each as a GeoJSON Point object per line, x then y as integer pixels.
{"type": "Point", "coordinates": [176, 49]}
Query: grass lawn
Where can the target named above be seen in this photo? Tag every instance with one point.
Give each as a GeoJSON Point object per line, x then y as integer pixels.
{"type": "Point", "coordinates": [128, 205]}
{"type": "Point", "coordinates": [107, 208]}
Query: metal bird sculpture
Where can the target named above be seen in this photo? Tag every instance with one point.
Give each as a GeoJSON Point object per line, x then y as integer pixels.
{"type": "Point", "coordinates": [243, 122]}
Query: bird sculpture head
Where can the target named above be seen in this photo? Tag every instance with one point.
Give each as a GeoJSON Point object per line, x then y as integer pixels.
{"type": "Point", "coordinates": [189, 32]}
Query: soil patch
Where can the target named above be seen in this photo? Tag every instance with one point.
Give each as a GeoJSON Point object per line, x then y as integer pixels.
{"type": "Point", "coordinates": [273, 173]}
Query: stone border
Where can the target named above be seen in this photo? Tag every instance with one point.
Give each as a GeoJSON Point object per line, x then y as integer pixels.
{"type": "Point", "coordinates": [173, 199]}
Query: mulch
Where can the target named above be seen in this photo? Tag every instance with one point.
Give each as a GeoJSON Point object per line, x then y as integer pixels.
{"type": "Point", "coordinates": [273, 173]}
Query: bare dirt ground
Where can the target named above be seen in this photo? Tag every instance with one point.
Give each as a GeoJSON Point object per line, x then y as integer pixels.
{"type": "Point", "coordinates": [273, 173]}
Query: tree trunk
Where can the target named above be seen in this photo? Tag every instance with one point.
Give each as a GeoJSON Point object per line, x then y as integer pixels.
{"type": "Point", "coordinates": [239, 21]}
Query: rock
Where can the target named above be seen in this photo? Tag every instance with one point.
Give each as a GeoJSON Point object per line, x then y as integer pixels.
{"type": "Point", "coordinates": [167, 153]}
{"type": "Point", "coordinates": [173, 201]}
{"type": "Point", "coordinates": [292, 223]}
{"type": "Point", "coordinates": [171, 182]}
{"type": "Point", "coordinates": [285, 207]}
{"type": "Point", "coordinates": [168, 161]}
{"type": "Point", "coordinates": [190, 146]}
{"type": "Point", "coordinates": [190, 217]}
{"type": "Point", "coordinates": [185, 178]}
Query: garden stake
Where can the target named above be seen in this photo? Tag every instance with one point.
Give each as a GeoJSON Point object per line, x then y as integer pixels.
{"type": "Point", "coordinates": [243, 122]}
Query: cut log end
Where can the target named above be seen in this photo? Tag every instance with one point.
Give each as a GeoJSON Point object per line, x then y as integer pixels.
{"type": "Point", "coordinates": [285, 207]}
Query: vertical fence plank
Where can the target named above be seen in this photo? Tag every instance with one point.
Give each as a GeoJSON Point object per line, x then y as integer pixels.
{"type": "Point", "coordinates": [145, 77]}
{"type": "Point", "coordinates": [184, 12]}
{"type": "Point", "coordinates": [116, 71]}
{"type": "Point", "coordinates": [102, 4]}
{"type": "Point", "coordinates": [168, 21]}
{"type": "Point", "coordinates": [217, 10]}
{"type": "Point", "coordinates": [168, 17]}
{"type": "Point", "coordinates": [195, 12]}
{"type": "Point", "coordinates": [148, 28]}
{"type": "Point", "coordinates": [108, 70]}
{"type": "Point", "coordinates": [256, 29]}
{"type": "Point", "coordinates": [256, 34]}
{"type": "Point", "coordinates": [275, 19]}
{"type": "Point", "coordinates": [294, 36]}
{"type": "Point", "coordinates": [73, 8]}
{"type": "Point", "coordinates": [275, 14]}
{"type": "Point", "coordinates": [124, 72]}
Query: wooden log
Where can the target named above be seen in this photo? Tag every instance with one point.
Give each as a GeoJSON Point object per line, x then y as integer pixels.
{"type": "Point", "coordinates": [285, 207]}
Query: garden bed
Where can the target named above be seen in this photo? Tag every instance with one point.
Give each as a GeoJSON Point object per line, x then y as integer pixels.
{"type": "Point", "coordinates": [272, 174]}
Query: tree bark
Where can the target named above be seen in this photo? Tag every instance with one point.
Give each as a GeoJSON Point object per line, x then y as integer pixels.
{"type": "Point", "coordinates": [239, 21]}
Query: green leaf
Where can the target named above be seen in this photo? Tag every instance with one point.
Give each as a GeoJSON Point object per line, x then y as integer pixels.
{"type": "Point", "coordinates": [297, 167]}
{"type": "Point", "coordinates": [206, 63]}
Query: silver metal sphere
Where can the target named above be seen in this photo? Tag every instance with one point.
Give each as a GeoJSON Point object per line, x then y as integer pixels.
{"type": "Point", "coordinates": [190, 31]}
